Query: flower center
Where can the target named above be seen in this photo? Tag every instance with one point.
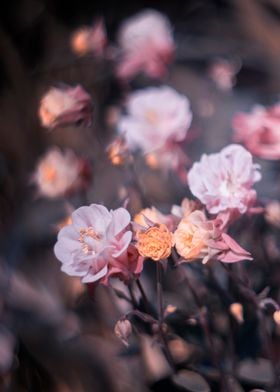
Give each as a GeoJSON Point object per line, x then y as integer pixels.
{"type": "Point", "coordinates": [151, 116]}
{"type": "Point", "coordinates": [49, 173]}
{"type": "Point", "coordinates": [86, 236]}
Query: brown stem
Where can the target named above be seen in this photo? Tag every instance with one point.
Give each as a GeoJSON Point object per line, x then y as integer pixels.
{"type": "Point", "coordinates": [162, 332]}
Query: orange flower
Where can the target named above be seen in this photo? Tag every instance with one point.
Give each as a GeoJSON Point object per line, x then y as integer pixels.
{"type": "Point", "coordinates": [155, 242]}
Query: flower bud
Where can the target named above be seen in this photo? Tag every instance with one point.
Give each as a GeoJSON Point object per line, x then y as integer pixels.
{"type": "Point", "coordinates": [123, 330]}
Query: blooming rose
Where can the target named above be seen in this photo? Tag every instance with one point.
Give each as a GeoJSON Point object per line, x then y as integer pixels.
{"type": "Point", "coordinates": [63, 106]}
{"type": "Point", "coordinates": [90, 39]}
{"type": "Point", "coordinates": [146, 44]}
{"type": "Point", "coordinates": [155, 242]}
{"type": "Point", "coordinates": [224, 180]}
{"type": "Point", "coordinates": [95, 239]}
{"type": "Point", "coordinates": [59, 173]}
{"type": "Point", "coordinates": [156, 116]}
{"type": "Point", "coordinates": [199, 238]}
{"type": "Point", "coordinates": [259, 131]}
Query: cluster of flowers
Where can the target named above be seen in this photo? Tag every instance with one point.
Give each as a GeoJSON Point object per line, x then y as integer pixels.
{"type": "Point", "coordinates": [99, 244]}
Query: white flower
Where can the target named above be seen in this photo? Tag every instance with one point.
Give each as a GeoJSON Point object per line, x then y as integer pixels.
{"type": "Point", "coordinates": [224, 181]}
{"type": "Point", "coordinates": [156, 116]}
{"type": "Point", "coordinates": [57, 173]}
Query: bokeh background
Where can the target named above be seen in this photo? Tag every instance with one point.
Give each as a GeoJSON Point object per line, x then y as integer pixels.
{"type": "Point", "coordinates": [56, 336]}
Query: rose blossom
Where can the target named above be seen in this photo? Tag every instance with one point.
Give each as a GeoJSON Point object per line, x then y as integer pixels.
{"type": "Point", "coordinates": [154, 242]}
{"type": "Point", "coordinates": [90, 39]}
{"type": "Point", "coordinates": [197, 237]}
{"type": "Point", "coordinates": [146, 44]}
{"type": "Point", "coordinates": [259, 131]}
{"type": "Point", "coordinates": [223, 181]}
{"type": "Point", "coordinates": [96, 239]}
{"type": "Point", "coordinates": [63, 106]}
{"type": "Point", "coordinates": [58, 173]}
{"type": "Point", "coordinates": [155, 117]}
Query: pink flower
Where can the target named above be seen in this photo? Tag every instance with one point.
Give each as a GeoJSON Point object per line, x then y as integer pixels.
{"type": "Point", "coordinates": [63, 106]}
{"type": "Point", "coordinates": [126, 267]}
{"type": "Point", "coordinates": [156, 116]}
{"type": "Point", "coordinates": [259, 131]}
{"type": "Point", "coordinates": [59, 173]}
{"type": "Point", "coordinates": [223, 73]}
{"type": "Point", "coordinates": [223, 181]}
{"type": "Point", "coordinates": [197, 237]}
{"type": "Point", "coordinates": [90, 39]}
{"type": "Point", "coordinates": [147, 45]}
{"type": "Point", "coordinates": [94, 242]}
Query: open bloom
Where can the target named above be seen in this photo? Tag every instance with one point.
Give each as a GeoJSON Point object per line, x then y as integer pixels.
{"type": "Point", "coordinates": [63, 106]}
{"type": "Point", "coordinates": [259, 131]}
{"type": "Point", "coordinates": [93, 242]}
{"type": "Point", "coordinates": [154, 242]}
{"type": "Point", "coordinates": [59, 172]}
{"type": "Point", "coordinates": [155, 117]}
{"type": "Point", "coordinates": [90, 39]}
{"type": "Point", "coordinates": [146, 44]}
{"type": "Point", "coordinates": [197, 237]}
{"type": "Point", "coordinates": [223, 181]}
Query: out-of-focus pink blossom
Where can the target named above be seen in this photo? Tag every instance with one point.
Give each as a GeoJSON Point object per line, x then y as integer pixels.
{"type": "Point", "coordinates": [223, 181]}
{"type": "Point", "coordinates": [223, 73]}
{"type": "Point", "coordinates": [197, 237]}
{"type": "Point", "coordinates": [155, 117]}
{"type": "Point", "coordinates": [59, 173]}
{"type": "Point", "coordinates": [259, 131]}
{"type": "Point", "coordinates": [90, 39]}
{"type": "Point", "coordinates": [65, 105]}
{"type": "Point", "coordinates": [170, 157]}
{"type": "Point", "coordinates": [96, 239]}
{"type": "Point", "coordinates": [146, 45]}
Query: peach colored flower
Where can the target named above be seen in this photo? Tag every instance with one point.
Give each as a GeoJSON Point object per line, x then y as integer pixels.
{"type": "Point", "coordinates": [191, 236]}
{"type": "Point", "coordinates": [96, 238]}
{"type": "Point", "coordinates": [118, 151]}
{"type": "Point", "coordinates": [155, 242]}
{"type": "Point", "coordinates": [259, 131]}
{"type": "Point", "coordinates": [90, 39]}
{"type": "Point", "coordinates": [63, 106]}
{"type": "Point", "coordinates": [155, 117]}
{"type": "Point", "coordinates": [224, 181]}
{"type": "Point", "coordinates": [58, 173]}
{"type": "Point", "coordinates": [146, 44]}
{"type": "Point", "coordinates": [197, 237]}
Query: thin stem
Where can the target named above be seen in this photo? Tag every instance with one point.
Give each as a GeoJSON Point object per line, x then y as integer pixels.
{"type": "Point", "coordinates": [162, 333]}
{"type": "Point", "coordinates": [132, 296]}
{"type": "Point", "coordinates": [159, 293]}
{"type": "Point", "coordinates": [144, 297]}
